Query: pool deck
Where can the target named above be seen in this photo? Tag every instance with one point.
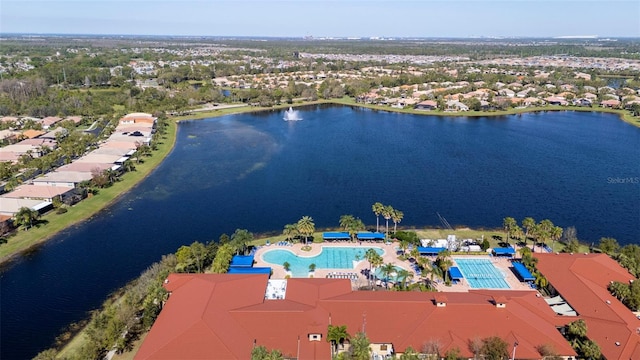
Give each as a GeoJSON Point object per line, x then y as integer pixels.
{"type": "Point", "coordinates": [389, 256]}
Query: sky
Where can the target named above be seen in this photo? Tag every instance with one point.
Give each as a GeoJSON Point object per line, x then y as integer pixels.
{"type": "Point", "coordinates": [325, 18]}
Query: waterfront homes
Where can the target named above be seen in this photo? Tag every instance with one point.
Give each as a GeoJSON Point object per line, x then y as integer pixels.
{"type": "Point", "coordinates": [10, 206]}
{"type": "Point", "coordinates": [224, 316]}
{"type": "Point", "coordinates": [43, 192]}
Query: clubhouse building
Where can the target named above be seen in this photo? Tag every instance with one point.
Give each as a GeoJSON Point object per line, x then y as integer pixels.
{"type": "Point", "coordinates": [223, 316]}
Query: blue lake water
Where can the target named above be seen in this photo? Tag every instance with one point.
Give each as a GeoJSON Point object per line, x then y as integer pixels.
{"type": "Point", "coordinates": [259, 172]}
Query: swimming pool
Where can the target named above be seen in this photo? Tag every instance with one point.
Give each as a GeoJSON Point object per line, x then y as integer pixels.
{"type": "Point", "coordinates": [331, 257]}
{"type": "Point", "coordinates": [481, 274]}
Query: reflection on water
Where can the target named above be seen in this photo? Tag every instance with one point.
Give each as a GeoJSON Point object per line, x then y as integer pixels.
{"type": "Point", "coordinates": [222, 152]}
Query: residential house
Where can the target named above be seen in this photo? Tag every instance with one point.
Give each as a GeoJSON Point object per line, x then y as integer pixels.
{"type": "Point", "coordinates": [69, 179]}
{"type": "Point", "coordinates": [582, 102]}
{"type": "Point", "coordinates": [49, 121]}
{"type": "Point", "coordinates": [455, 105]}
{"type": "Point", "coordinates": [44, 193]}
{"type": "Point", "coordinates": [554, 100]}
{"type": "Point", "coordinates": [506, 92]}
{"type": "Point", "coordinates": [611, 103]}
{"type": "Point", "coordinates": [30, 134]}
{"type": "Point", "coordinates": [135, 118]}
{"type": "Point", "coordinates": [427, 105]}
{"type": "Point", "coordinates": [10, 206]}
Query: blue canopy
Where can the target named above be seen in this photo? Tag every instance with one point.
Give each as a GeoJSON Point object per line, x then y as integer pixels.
{"type": "Point", "coordinates": [242, 261]}
{"type": "Point", "coordinates": [455, 273]}
{"type": "Point", "coordinates": [504, 251]}
{"type": "Point", "coordinates": [365, 235]}
{"type": "Point", "coordinates": [523, 272]}
{"type": "Point", "coordinates": [430, 250]}
{"type": "Point", "coordinates": [335, 235]}
{"type": "Point", "coordinates": [251, 270]}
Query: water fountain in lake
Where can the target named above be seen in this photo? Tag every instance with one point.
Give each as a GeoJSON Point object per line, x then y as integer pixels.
{"type": "Point", "coordinates": [292, 115]}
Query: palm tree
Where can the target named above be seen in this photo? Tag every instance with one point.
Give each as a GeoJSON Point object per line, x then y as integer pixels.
{"type": "Point", "coordinates": [290, 231]}
{"type": "Point", "coordinates": [387, 270]}
{"type": "Point", "coordinates": [374, 260]}
{"type": "Point", "coordinates": [444, 263]}
{"type": "Point", "coordinates": [387, 211]}
{"type": "Point", "coordinates": [337, 335]}
{"type": "Point", "coordinates": [286, 266]}
{"type": "Point", "coordinates": [25, 216]}
{"type": "Point", "coordinates": [528, 224]}
{"type": "Point", "coordinates": [351, 224]}
{"type": "Point", "coordinates": [396, 217]}
{"type": "Point", "coordinates": [556, 234]}
{"type": "Point", "coordinates": [306, 227]}
{"type": "Point", "coordinates": [377, 209]}
{"type": "Point", "coordinates": [509, 224]}
{"type": "Point", "coordinates": [517, 233]}
{"type": "Point", "coordinates": [545, 227]}
{"type": "Point", "coordinates": [240, 239]}
{"type": "Point", "coordinates": [403, 276]}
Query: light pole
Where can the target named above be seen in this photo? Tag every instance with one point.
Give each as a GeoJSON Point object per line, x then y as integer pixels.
{"type": "Point", "coordinates": [513, 354]}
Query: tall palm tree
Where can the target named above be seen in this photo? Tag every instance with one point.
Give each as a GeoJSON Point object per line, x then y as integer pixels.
{"type": "Point", "coordinates": [528, 224]}
{"type": "Point", "coordinates": [396, 217]}
{"type": "Point", "coordinates": [290, 231]}
{"type": "Point", "coordinates": [545, 227]}
{"type": "Point", "coordinates": [351, 225]}
{"type": "Point", "coordinates": [240, 239]}
{"type": "Point", "coordinates": [517, 233]}
{"type": "Point", "coordinates": [403, 276]}
{"type": "Point", "coordinates": [337, 335]}
{"type": "Point", "coordinates": [556, 234]}
{"type": "Point", "coordinates": [306, 227]}
{"type": "Point", "coordinates": [387, 211]}
{"type": "Point", "coordinates": [509, 224]}
{"type": "Point", "coordinates": [387, 270]}
{"type": "Point", "coordinates": [377, 209]}
{"type": "Point", "coordinates": [444, 262]}
{"type": "Point", "coordinates": [374, 260]}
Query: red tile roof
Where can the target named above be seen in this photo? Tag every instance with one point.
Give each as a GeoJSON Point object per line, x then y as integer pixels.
{"type": "Point", "coordinates": [227, 315]}
{"type": "Point", "coordinates": [582, 280]}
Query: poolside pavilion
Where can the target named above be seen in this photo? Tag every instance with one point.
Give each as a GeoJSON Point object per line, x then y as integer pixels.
{"type": "Point", "coordinates": [335, 236]}
{"type": "Point", "coordinates": [507, 252]}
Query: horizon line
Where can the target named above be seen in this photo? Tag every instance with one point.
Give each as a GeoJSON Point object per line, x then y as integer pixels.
{"type": "Point", "coordinates": [344, 37]}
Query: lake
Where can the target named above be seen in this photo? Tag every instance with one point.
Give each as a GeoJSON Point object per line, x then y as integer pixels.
{"type": "Point", "coordinates": [258, 172]}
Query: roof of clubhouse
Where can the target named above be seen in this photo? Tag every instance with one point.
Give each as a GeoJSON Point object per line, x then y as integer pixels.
{"type": "Point", "coordinates": [227, 314]}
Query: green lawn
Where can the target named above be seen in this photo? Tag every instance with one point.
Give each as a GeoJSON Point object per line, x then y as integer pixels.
{"type": "Point", "coordinates": [52, 223]}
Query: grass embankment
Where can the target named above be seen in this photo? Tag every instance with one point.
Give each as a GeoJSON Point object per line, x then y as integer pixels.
{"type": "Point", "coordinates": [52, 223]}
{"type": "Point", "coordinates": [624, 115]}
{"type": "Point", "coordinates": [494, 236]}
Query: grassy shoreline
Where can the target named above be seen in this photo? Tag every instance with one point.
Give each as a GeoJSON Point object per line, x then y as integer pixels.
{"type": "Point", "coordinates": [25, 241]}
{"type": "Point", "coordinates": [623, 114]}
